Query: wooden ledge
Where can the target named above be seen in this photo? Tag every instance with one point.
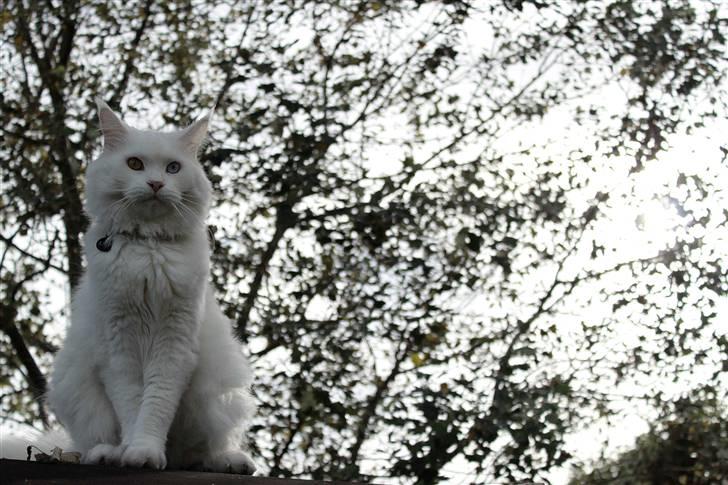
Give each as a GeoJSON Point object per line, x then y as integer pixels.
{"type": "Point", "coordinates": [17, 472]}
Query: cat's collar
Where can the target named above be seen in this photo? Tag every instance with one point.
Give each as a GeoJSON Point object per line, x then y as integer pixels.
{"type": "Point", "coordinates": [105, 243]}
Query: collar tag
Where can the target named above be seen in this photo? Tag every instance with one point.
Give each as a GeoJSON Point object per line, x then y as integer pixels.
{"type": "Point", "coordinates": [104, 244]}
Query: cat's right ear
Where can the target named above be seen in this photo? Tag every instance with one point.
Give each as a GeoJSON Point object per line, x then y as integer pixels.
{"type": "Point", "coordinates": [113, 129]}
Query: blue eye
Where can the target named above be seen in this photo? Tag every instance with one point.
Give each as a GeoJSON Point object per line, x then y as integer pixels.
{"type": "Point", "coordinates": [173, 167]}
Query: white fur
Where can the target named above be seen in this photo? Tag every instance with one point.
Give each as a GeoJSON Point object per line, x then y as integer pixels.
{"type": "Point", "coordinates": [150, 373]}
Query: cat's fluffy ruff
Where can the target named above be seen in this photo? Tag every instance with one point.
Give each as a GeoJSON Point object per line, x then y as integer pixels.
{"type": "Point", "coordinates": [150, 373]}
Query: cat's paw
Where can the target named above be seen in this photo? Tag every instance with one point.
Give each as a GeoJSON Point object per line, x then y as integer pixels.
{"type": "Point", "coordinates": [143, 454]}
{"type": "Point", "coordinates": [230, 461]}
{"type": "Point", "coordinates": [103, 454]}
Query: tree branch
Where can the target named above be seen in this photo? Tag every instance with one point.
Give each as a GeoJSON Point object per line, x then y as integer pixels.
{"type": "Point", "coordinates": [278, 455]}
{"type": "Point", "coordinates": [25, 253]}
{"type": "Point", "coordinates": [285, 219]}
{"type": "Point", "coordinates": [73, 217]}
{"type": "Point", "coordinates": [371, 408]}
{"type": "Point", "coordinates": [36, 380]}
{"type": "Point", "coordinates": [229, 78]}
{"type": "Point", "coordinates": [129, 64]}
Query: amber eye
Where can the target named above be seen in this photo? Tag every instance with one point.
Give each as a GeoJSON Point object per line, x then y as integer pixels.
{"type": "Point", "coordinates": [173, 167]}
{"type": "Point", "coordinates": [135, 164]}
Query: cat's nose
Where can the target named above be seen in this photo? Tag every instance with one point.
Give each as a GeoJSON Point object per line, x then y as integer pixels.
{"type": "Point", "coordinates": [155, 185]}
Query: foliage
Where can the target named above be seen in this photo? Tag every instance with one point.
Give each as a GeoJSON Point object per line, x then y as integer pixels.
{"type": "Point", "coordinates": [688, 446]}
{"type": "Point", "coordinates": [424, 272]}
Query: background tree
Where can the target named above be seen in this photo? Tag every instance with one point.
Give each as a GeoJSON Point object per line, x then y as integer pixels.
{"type": "Point", "coordinates": [687, 446]}
{"type": "Point", "coordinates": [428, 277]}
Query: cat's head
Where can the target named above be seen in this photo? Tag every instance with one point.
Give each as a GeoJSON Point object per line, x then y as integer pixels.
{"type": "Point", "coordinates": [148, 181]}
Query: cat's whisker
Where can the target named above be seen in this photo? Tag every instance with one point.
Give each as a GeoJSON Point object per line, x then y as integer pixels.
{"type": "Point", "coordinates": [191, 200]}
{"type": "Point", "coordinates": [182, 203]}
{"type": "Point", "coordinates": [118, 206]}
{"type": "Point", "coordinates": [115, 207]}
{"type": "Point", "coordinates": [121, 204]}
{"type": "Point", "coordinates": [174, 206]}
{"type": "Point", "coordinates": [194, 217]}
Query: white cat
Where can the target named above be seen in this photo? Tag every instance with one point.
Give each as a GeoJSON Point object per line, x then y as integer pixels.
{"type": "Point", "coordinates": [150, 373]}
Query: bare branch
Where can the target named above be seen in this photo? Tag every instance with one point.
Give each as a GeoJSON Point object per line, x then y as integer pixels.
{"type": "Point", "coordinates": [285, 219]}
{"type": "Point", "coordinates": [132, 54]}
{"type": "Point", "coordinates": [373, 403]}
{"type": "Point", "coordinates": [11, 244]}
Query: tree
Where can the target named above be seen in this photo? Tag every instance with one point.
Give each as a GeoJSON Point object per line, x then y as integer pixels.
{"type": "Point", "coordinates": [686, 446]}
{"type": "Point", "coordinates": [414, 260]}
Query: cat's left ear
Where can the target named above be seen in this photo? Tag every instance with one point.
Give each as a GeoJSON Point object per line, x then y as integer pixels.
{"type": "Point", "coordinates": [194, 135]}
{"type": "Point", "coordinates": [114, 130]}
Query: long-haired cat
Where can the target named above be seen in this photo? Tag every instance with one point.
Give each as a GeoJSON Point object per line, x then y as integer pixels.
{"type": "Point", "coordinates": [150, 373]}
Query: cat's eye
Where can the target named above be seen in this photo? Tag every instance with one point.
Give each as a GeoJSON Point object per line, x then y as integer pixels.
{"type": "Point", "coordinates": [173, 167]}
{"type": "Point", "coordinates": [135, 164]}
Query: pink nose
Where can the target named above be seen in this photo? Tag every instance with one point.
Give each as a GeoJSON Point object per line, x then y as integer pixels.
{"type": "Point", "coordinates": [155, 185]}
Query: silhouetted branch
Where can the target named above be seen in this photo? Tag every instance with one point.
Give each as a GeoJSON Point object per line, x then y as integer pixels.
{"type": "Point", "coordinates": [8, 312]}
{"type": "Point", "coordinates": [285, 219]}
{"type": "Point", "coordinates": [372, 404]}
{"type": "Point", "coordinates": [129, 63]}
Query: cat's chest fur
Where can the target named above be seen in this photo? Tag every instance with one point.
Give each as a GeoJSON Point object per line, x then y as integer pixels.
{"type": "Point", "coordinates": [146, 278]}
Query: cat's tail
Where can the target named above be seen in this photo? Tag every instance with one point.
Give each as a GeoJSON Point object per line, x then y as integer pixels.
{"type": "Point", "coordinates": [14, 443]}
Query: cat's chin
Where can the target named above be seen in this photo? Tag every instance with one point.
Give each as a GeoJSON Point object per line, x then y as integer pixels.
{"type": "Point", "coordinates": [154, 207]}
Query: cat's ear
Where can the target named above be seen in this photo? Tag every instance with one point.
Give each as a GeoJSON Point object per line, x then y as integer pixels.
{"type": "Point", "coordinates": [113, 129]}
{"type": "Point", "coordinates": [193, 137]}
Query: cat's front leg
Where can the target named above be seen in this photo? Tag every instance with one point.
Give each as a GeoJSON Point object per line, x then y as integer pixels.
{"type": "Point", "coordinates": [171, 360]}
{"type": "Point", "coordinates": [123, 378]}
